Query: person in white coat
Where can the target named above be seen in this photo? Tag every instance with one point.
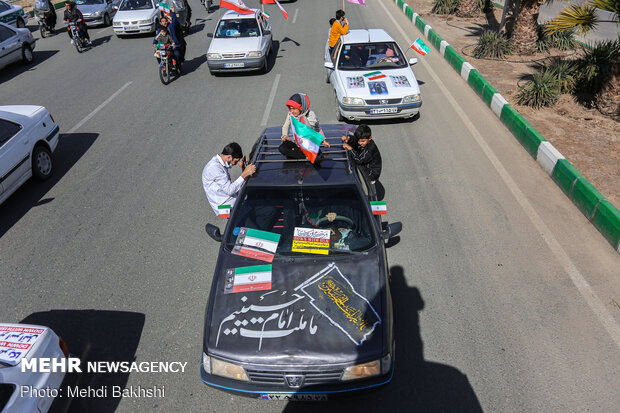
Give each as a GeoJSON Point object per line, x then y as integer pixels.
{"type": "Point", "coordinates": [218, 186]}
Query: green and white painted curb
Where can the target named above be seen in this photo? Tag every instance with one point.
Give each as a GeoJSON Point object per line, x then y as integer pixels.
{"type": "Point", "coordinates": [602, 213]}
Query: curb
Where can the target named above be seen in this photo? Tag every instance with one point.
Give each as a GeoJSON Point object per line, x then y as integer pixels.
{"type": "Point", "coordinates": [599, 211]}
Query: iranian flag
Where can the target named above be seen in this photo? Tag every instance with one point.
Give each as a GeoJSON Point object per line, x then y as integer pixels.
{"type": "Point", "coordinates": [254, 243]}
{"type": "Point", "coordinates": [265, 14]}
{"type": "Point", "coordinates": [420, 47]}
{"type": "Point", "coordinates": [379, 207]}
{"type": "Point", "coordinates": [362, 2]}
{"type": "Point", "coordinates": [374, 75]}
{"type": "Point", "coordinates": [307, 139]}
{"type": "Point", "coordinates": [223, 211]}
{"type": "Point", "coordinates": [254, 278]}
{"type": "Point", "coordinates": [164, 7]}
{"type": "Point", "coordinates": [282, 9]}
{"type": "Point", "coordinates": [235, 5]}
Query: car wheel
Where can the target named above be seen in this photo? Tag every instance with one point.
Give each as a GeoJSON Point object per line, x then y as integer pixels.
{"type": "Point", "coordinates": [327, 76]}
{"type": "Point", "coordinates": [264, 68]}
{"type": "Point", "coordinates": [27, 56]}
{"type": "Point", "coordinates": [339, 116]}
{"type": "Point", "coordinates": [20, 23]}
{"type": "Point", "coordinates": [42, 163]}
{"type": "Point", "coordinates": [106, 20]}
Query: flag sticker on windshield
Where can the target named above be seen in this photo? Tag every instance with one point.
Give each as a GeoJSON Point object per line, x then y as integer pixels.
{"type": "Point", "coordinates": [311, 240]}
{"type": "Point", "coordinates": [253, 243]}
{"type": "Point", "coordinates": [355, 82]}
{"type": "Point", "coordinates": [244, 279]}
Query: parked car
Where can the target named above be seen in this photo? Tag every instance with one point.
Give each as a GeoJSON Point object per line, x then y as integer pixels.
{"type": "Point", "coordinates": [98, 12]}
{"type": "Point", "coordinates": [15, 44]}
{"type": "Point", "coordinates": [28, 136]}
{"type": "Point", "coordinates": [241, 42]}
{"type": "Point", "coordinates": [300, 305]}
{"type": "Point", "coordinates": [371, 77]}
{"type": "Point", "coordinates": [12, 14]}
{"type": "Point", "coordinates": [25, 342]}
{"type": "Point", "coordinates": [136, 16]}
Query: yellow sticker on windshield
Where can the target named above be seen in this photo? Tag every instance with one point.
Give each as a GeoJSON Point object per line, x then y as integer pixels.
{"type": "Point", "coordinates": [311, 240]}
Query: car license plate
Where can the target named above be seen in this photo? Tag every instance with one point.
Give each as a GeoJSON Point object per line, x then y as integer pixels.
{"type": "Point", "coordinates": [231, 65]}
{"type": "Point", "coordinates": [383, 110]}
{"type": "Point", "coordinates": [128, 28]}
{"type": "Point", "coordinates": [299, 397]}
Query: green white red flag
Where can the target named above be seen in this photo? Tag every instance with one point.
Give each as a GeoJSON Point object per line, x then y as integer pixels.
{"type": "Point", "coordinates": [164, 7]}
{"type": "Point", "coordinates": [378, 207]}
{"type": "Point", "coordinates": [374, 75]}
{"type": "Point", "coordinates": [223, 211]}
{"type": "Point", "coordinates": [254, 243]}
{"type": "Point", "coordinates": [235, 5]}
{"type": "Point", "coordinates": [276, 2]}
{"type": "Point", "coordinates": [362, 2]}
{"type": "Point", "coordinates": [420, 47]}
{"type": "Point", "coordinates": [308, 140]}
{"type": "Point", "coordinates": [244, 279]}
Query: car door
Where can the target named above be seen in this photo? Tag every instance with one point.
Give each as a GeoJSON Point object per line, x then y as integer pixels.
{"type": "Point", "coordinates": [5, 13]}
{"type": "Point", "coordinates": [331, 73]}
{"type": "Point", "coordinates": [14, 153]}
{"type": "Point", "coordinates": [10, 50]}
{"type": "Point", "coordinates": [265, 39]}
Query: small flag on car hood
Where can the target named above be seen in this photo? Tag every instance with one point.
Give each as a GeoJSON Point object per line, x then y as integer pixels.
{"type": "Point", "coordinates": [420, 47]}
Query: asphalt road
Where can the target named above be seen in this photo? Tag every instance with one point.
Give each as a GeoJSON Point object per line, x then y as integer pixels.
{"type": "Point", "coordinates": [505, 296]}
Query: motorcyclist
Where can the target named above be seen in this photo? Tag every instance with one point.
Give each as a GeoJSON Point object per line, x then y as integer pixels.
{"type": "Point", "coordinates": [72, 14]}
{"type": "Point", "coordinates": [166, 36]}
{"type": "Point", "coordinates": [50, 12]}
{"type": "Point", "coordinates": [177, 34]}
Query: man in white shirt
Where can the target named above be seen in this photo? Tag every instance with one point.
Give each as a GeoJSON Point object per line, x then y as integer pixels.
{"type": "Point", "coordinates": [216, 180]}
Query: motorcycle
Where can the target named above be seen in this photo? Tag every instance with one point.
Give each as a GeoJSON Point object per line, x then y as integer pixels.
{"type": "Point", "coordinates": [79, 40]}
{"type": "Point", "coordinates": [46, 17]}
{"type": "Point", "coordinates": [207, 4]}
{"type": "Point", "coordinates": [168, 64]}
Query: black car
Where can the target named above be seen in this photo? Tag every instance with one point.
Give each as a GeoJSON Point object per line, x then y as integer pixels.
{"type": "Point", "coordinates": [317, 319]}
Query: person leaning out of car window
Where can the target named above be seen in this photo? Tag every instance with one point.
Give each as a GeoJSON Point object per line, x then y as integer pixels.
{"type": "Point", "coordinates": [364, 151]}
{"type": "Point", "coordinates": [72, 14]}
{"type": "Point", "coordinates": [339, 28]}
{"type": "Point", "coordinates": [299, 107]}
{"type": "Point", "coordinates": [218, 186]}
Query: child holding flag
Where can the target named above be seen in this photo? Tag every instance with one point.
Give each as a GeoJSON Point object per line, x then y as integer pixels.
{"type": "Point", "coordinates": [299, 108]}
{"type": "Point", "coordinates": [364, 151]}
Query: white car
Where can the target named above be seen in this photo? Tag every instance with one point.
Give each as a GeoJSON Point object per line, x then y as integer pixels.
{"type": "Point", "coordinates": [20, 342]}
{"type": "Point", "coordinates": [371, 77]}
{"type": "Point", "coordinates": [136, 16]}
{"type": "Point", "coordinates": [28, 136]}
{"type": "Point", "coordinates": [15, 45]}
{"type": "Point", "coordinates": [240, 42]}
{"type": "Point", "coordinates": [12, 14]}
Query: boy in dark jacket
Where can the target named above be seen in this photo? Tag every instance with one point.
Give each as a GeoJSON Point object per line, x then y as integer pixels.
{"type": "Point", "coordinates": [364, 152]}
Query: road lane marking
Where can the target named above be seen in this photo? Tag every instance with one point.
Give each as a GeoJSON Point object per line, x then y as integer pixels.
{"type": "Point", "coordinates": [101, 31]}
{"type": "Point", "coordinates": [272, 96]}
{"type": "Point", "coordinates": [567, 264]}
{"type": "Point", "coordinates": [295, 16]}
{"type": "Point", "coordinates": [98, 108]}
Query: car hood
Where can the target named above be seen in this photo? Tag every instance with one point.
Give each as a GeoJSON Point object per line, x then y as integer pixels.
{"type": "Point", "coordinates": [133, 15]}
{"type": "Point", "coordinates": [397, 82]}
{"type": "Point", "coordinates": [234, 45]}
{"type": "Point", "coordinates": [88, 9]}
{"type": "Point", "coordinates": [314, 312]}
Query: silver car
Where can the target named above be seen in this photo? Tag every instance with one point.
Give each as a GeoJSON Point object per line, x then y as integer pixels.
{"type": "Point", "coordinates": [98, 12]}
{"type": "Point", "coordinates": [15, 44]}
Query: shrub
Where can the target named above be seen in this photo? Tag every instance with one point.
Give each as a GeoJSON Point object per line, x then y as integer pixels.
{"type": "Point", "coordinates": [541, 91]}
{"type": "Point", "coordinates": [563, 40]}
{"type": "Point", "coordinates": [564, 72]}
{"type": "Point", "coordinates": [596, 66]}
{"type": "Point", "coordinates": [493, 45]}
{"type": "Point", "coordinates": [445, 6]}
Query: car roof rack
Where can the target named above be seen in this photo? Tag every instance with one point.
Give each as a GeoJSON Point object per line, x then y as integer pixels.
{"type": "Point", "coordinates": [268, 147]}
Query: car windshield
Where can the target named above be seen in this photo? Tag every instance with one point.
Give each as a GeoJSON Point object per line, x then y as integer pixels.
{"type": "Point", "coordinates": [237, 28]}
{"type": "Point", "coordinates": [88, 2]}
{"type": "Point", "coordinates": [340, 210]}
{"type": "Point", "coordinates": [137, 5]}
{"type": "Point", "coordinates": [371, 56]}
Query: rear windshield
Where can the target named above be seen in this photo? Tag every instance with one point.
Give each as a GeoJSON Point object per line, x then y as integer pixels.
{"type": "Point", "coordinates": [137, 5]}
{"type": "Point", "coordinates": [237, 28]}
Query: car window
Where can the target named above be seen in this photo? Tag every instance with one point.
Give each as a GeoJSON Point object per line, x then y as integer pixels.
{"type": "Point", "coordinates": [6, 33]}
{"type": "Point", "coordinates": [335, 50]}
{"type": "Point", "coordinates": [284, 209]}
{"type": "Point", "coordinates": [8, 130]}
{"type": "Point", "coordinates": [136, 5]}
{"type": "Point", "coordinates": [4, 6]}
{"type": "Point", "coordinates": [363, 181]}
{"type": "Point", "coordinates": [88, 2]}
{"type": "Point", "coordinates": [237, 28]}
{"type": "Point", "coordinates": [371, 56]}
{"type": "Point", "coordinates": [263, 23]}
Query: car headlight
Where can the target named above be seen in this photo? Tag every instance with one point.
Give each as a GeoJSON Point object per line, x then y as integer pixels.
{"type": "Point", "coordinates": [96, 14]}
{"type": "Point", "coordinates": [214, 56]}
{"type": "Point", "coordinates": [117, 24]}
{"type": "Point", "coordinates": [206, 362]}
{"type": "Point", "coordinates": [370, 369]}
{"type": "Point", "coordinates": [147, 21]}
{"type": "Point", "coordinates": [255, 54]}
{"type": "Point", "coordinates": [411, 98]}
{"type": "Point", "coordinates": [226, 369]}
{"type": "Point", "coordinates": [352, 101]}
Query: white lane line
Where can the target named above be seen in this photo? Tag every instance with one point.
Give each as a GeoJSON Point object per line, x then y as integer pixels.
{"type": "Point", "coordinates": [576, 277]}
{"type": "Point", "coordinates": [101, 31]}
{"type": "Point", "coordinates": [98, 108]}
{"type": "Point", "coordinates": [272, 96]}
{"type": "Point", "coordinates": [295, 16]}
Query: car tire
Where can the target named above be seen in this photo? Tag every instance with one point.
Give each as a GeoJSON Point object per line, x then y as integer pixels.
{"type": "Point", "coordinates": [42, 165]}
{"type": "Point", "coordinates": [265, 66]}
{"type": "Point", "coordinates": [20, 23]}
{"type": "Point", "coordinates": [106, 20]}
{"type": "Point", "coordinates": [339, 116]}
{"type": "Point", "coordinates": [327, 76]}
{"type": "Point", "coordinates": [27, 56]}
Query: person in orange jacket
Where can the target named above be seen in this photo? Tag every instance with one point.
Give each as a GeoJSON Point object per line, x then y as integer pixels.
{"type": "Point", "coordinates": [339, 28]}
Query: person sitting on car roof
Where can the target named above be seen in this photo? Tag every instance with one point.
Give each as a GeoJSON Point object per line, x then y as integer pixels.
{"type": "Point", "coordinates": [218, 186]}
{"type": "Point", "coordinates": [299, 107]}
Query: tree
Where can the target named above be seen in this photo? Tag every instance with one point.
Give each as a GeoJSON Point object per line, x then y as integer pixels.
{"type": "Point", "coordinates": [525, 31]}
{"type": "Point", "coordinates": [467, 8]}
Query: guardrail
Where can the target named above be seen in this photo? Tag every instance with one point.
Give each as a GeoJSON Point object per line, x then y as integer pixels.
{"type": "Point", "coordinates": [601, 213]}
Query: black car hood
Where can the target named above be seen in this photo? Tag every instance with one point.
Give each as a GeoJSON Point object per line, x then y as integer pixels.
{"type": "Point", "coordinates": [317, 311]}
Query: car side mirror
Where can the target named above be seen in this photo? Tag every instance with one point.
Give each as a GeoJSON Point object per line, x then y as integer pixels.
{"type": "Point", "coordinates": [210, 35]}
{"type": "Point", "coordinates": [392, 230]}
{"type": "Point", "coordinates": [266, 32]}
{"type": "Point", "coordinates": [329, 65]}
{"type": "Point", "coordinates": [214, 232]}
{"type": "Point", "coordinates": [413, 61]}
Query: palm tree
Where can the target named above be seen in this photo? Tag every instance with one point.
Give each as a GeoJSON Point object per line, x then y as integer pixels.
{"type": "Point", "coordinates": [467, 8]}
{"type": "Point", "coordinates": [525, 31]}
